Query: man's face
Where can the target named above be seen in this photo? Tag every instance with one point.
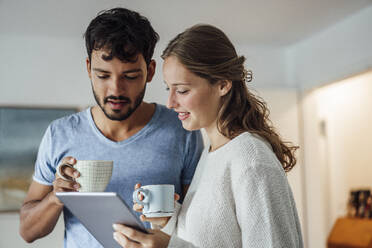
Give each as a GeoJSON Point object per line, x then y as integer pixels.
{"type": "Point", "coordinates": [118, 87]}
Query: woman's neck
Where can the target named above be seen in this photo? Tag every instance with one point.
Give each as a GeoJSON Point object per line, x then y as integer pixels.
{"type": "Point", "coordinates": [216, 138]}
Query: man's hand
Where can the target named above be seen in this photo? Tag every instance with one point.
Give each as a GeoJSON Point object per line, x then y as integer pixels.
{"type": "Point", "coordinates": [62, 185]}
{"type": "Point", "coordinates": [42, 208]}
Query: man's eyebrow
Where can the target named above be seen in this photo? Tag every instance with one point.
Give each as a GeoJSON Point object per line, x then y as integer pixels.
{"type": "Point", "coordinates": [127, 71]}
{"type": "Point", "coordinates": [133, 70]}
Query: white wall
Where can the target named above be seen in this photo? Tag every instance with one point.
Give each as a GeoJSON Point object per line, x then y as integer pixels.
{"type": "Point", "coordinates": [43, 70]}
{"type": "Point", "coordinates": [341, 50]}
{"type": "Point", "coordinates": [269, 67]}
{"type": "Point", "coordinates": [337, 52]}
{"type": "Point", "coordinates": [9, 237]}
{"type": "Point", "coordinates": [338, 159]}
{"type": "Point", "coordinates": [346, 108]}
{"type": "Point", "coordinates": [316, 175]}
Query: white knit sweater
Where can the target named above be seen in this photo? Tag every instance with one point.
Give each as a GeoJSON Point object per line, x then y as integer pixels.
{"type": "Point", "coordinates": [239, 197]}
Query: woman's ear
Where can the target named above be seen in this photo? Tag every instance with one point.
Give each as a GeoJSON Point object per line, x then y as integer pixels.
{"type": "Point", "coordinates": [224, 86]}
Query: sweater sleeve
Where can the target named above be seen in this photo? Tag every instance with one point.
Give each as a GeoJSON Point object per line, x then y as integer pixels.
{"type": "Point", "coordinates": [171, 225]}
{"type": "Point", "coordinates": [176, 242]}
{"type": "Point", "coordinates": [170, 229]}
{"type": "Point", "coordinates": [264, 206]}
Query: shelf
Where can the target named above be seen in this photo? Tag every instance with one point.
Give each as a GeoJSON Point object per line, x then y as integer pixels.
{"type": "Point", "coordinates": [351, 233]}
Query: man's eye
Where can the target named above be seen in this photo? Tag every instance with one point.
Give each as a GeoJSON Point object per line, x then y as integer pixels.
{"type": "Point", "coordinates": [167, 88]}
{"type": "Point", "coordinates": [131, 78]}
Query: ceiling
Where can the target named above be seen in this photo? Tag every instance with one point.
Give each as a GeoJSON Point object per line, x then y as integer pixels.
{"type": "Point", "coordinates": [250, 22]}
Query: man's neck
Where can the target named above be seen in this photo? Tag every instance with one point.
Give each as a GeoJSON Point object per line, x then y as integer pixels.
{"type": "Point", "coordinates": [121, 130]}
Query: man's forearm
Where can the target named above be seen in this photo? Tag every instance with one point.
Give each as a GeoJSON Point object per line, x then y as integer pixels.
{"type": "Point", "coordinates": [38, 218]}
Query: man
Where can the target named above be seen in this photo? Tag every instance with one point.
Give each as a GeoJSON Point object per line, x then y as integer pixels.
{"type": "Point", "coordinates": [146, 141]}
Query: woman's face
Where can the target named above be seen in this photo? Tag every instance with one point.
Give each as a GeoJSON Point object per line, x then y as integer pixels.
{"type": "Point", "coordinates": [194, 99]}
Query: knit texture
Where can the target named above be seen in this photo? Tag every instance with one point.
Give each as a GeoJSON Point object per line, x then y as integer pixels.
{"type": "Point", "coordinates": [239, 197]}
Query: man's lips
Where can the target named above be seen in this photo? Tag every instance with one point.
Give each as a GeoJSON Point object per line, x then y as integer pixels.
{"type": "Point", "coordinates": [117, 104]}
{"type": "Point", "coordinates": [183, 115]}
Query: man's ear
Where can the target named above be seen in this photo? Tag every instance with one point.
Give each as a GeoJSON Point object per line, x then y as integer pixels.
{"type": "Point", "coordinates": [88, 68]}
{"type": "Point", "coordinates": [151, 70]}
{"type": "Point", "coordinates": [224, 86]}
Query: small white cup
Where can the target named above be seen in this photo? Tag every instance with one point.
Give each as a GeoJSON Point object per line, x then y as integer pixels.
{"type": "Point", "coordinates": [158, 200]}
{"type": "Point", "coordinates": [94, 174]}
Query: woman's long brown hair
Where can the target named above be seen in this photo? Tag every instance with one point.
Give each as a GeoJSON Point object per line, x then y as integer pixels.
{"type": "Point", "coordinates": [206, 51]}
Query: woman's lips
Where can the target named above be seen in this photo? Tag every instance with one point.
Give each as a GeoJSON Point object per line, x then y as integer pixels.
{"type": "Point", "coordinates": [183, 115]}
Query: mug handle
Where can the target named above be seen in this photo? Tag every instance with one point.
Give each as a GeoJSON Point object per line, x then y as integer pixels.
{"type": "Point", "coordinates": [145, 193]}
{"type": "Point", "coordinates": [60, 173]}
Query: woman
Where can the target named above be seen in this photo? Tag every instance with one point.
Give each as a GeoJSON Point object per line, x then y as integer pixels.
{"type": "Point", "coordinates": [239, 196]}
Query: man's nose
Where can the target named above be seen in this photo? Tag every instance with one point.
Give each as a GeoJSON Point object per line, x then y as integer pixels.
{"type": "Point", "coordinates": [116, 86]}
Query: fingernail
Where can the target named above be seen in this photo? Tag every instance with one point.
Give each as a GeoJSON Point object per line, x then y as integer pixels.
{"type": "Point", "coordinates": [76, 186]}
{"type": "Point", "coordinates": [115, 236]}
{"type": "Point", "coordinates": [76, 173]}
{"type": "Point", "coordinates": [114, 226]}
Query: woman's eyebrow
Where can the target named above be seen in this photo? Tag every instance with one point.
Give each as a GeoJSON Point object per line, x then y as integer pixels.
{"type": "Point", "coordinates": [180, 83]}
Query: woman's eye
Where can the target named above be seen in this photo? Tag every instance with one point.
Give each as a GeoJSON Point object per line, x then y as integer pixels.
{"type": "Point", "coordinates": [102, 76]}
{"type": "Point", "coordinates": [182, 91]}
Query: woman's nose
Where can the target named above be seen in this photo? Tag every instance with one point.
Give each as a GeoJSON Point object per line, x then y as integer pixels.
{"type": "Point", "coordinates": [171, 103]}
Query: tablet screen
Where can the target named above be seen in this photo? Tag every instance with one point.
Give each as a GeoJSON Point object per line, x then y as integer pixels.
{"type": "Point", "coordinates": [98, 211]}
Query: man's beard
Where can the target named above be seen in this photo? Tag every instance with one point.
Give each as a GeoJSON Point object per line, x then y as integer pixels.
{"type": "Point", "coordinates": [117, 116]}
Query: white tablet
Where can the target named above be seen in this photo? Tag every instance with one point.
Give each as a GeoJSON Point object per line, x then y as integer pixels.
{"type": "Point", "coordinates": [98, 211]}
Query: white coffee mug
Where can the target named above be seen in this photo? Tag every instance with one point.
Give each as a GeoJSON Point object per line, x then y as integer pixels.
{"type": "Point", "coordinates": [94, 174]}
{"type": "Point", "coordinates": [158, 200]}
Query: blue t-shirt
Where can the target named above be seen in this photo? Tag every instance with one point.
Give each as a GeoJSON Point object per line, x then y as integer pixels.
{"type": "Point", "coordinates": [160, 153]}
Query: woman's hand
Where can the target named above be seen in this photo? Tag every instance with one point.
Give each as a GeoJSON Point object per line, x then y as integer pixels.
{"type": "Point", "coordinates": [130, 238]}
{"type": "Point", "coordinates": [157, 222]}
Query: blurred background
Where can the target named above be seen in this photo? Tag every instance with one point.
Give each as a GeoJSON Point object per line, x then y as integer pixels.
{"type": "Point", "coordinates": [311, 61]}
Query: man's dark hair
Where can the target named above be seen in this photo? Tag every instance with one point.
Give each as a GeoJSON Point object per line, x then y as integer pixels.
{"type": "Point", "coordinates": [124, 33]}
